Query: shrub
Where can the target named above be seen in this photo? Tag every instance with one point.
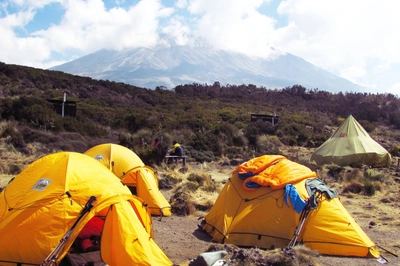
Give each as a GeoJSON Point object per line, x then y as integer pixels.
{"type": "Point", "coordinates": [231, 152]}
{"type": "Point", "coordinates": [354, 187]}
{"type": "Point", "coordinates": [192, 186]}
{"type": "Point", "coordinates": [206, 142]}
{"type": "Point", "coordinates": [199, 179]}
{"type": "Point", "coordinates": [182, 204]}
{"type": "Point", "coordinates": [202, 156]}
{"type": "Point", "coordinates": [204, 181]}
{"type": "Point", "coordinates": [353, 174]}
{"type": "Point", "coordinates": [369, 127]}
{"type": "Point", "coordinates": [210, 187]}
{"type": "Point", "coordinates": [335, 171]}
{"type": "Point", "coordinates": [206, 206]}
{"type": "Point", "coordinates": [268, 144]}
{"type": "Point", "coordinates": [168, 181]}
{"type": "Point", "coordinates": [14, 169]}
{"type": "Point", "coordinates": [14, 137]}
{"type": "Point", "coordinates": [395, 151]}
{"type": "Point", "coordinates": [369, 189]}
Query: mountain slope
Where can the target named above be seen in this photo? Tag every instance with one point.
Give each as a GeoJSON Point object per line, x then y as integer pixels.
{"type": "Point", "coordinates": [170, 66]}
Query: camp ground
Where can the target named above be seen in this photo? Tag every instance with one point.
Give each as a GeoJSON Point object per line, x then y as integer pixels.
{"type": "Point", "coordinates": [271, 202]}
{"type": "Point", "coordinates": [46, 206]}
{"type": "Point", "coordinates": [141, 179]}
{"type": "Point", "coordinates": [351, 144]}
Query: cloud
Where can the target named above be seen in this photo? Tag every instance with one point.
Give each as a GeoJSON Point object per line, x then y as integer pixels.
{"type": "Point", "coordinates": [178, 31]}
{"type": "Point", "coordinates": [235, 26]}
{"type": "Point", "coordinates": [20, 50]}
{"type": "Point", "coordinates": [86, 26]}
{"type": "Point", "coordinates": [394, 89]}
{"type": "Point", "coordinates": [342, 36]}
{"type": "Point", "coordinates": [181, 4]}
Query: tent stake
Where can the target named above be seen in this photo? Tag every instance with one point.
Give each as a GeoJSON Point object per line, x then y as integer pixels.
{"type": "Point", "coordinates": [387, 251]}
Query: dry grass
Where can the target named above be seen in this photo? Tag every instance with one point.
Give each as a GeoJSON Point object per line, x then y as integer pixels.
{"type": "Point", "coordinates": [194, 189]}
{"type": "Point", "coordinates": [12, 162]}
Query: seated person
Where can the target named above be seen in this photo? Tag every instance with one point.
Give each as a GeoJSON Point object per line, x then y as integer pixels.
{"type": "Point", "coordinates": [175, 151]}
{"type": "Point", "coordinates": [154, 144]}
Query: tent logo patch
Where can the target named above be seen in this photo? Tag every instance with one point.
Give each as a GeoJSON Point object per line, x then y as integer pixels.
{"type": "Point", "coordinates": [99, 157]}
{"type": "Point", "coordinates": [41, 184]}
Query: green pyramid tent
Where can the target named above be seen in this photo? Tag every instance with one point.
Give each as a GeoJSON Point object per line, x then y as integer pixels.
{"type": "Point", "coordinates": [351, 144]}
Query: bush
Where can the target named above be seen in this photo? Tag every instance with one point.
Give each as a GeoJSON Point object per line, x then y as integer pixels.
{"type": "Point", "coordinates": [14, 137]}
{"type": "Point", "coordinates": [369, 189]}
{"type": "Point", "coordinates": [268, 144]}
{"type": "Point", "coordinates": [354, 187]}
{"type": "Point", "coordinates": [395, 151]}
{"type": "Point", "coordinates": [199, 179]}
{"type": "Point", "coordinates": [353, 174]}
{"type": "Point", "coordinates": [192, 186]}
{"type": "Point", "coordinates": [182, 204]}
{"type": "Point", "coordinates": [335, 171]}
{"type": "Point", "coordinates": [14, 169]}
{"type": "Point", "coordinates": [202, 156]}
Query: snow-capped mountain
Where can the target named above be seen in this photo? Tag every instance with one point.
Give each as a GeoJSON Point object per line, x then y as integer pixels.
{"type": "Point", "coordinates": [174, 65]}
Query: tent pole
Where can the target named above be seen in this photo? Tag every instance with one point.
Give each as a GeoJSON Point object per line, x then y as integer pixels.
{"type": "Point", "coordinates": [302, 220]}
{"type": "Point", "coordinates": [53, 256]}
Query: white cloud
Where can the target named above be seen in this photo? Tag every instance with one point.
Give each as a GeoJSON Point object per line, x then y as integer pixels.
{"type": "Point", "coordinates": [343, 36]}
{"type": "Point", "coordinates": [178, 31]}
{"type": "Point", "coordinates": [235, 25]}
{"type": "Point", "coordinates": [394, 89]}
{"type": "Point", "coordinates": [24, 51]}
{"type": "Point", "coordinates": [181, 4]}
{"type": "Point", "coordinates": [87, 26]}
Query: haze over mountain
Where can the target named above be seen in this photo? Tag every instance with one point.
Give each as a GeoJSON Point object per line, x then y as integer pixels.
{"type": "Point", "coordinates": [172, 65]}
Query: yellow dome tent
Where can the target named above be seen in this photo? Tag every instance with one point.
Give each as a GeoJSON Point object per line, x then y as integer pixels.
{"type": "Point", "coordinates": [41, 212]}
{"type": "Point", "coordinates": [254, 210]}
{"type": "Point", "coordinates": [351, 144]}
{"type": "Point", "coordinates": [127, 166]}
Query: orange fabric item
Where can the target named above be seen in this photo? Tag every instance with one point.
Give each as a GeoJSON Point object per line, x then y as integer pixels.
{"type": "Point", "coordinates": [93, 228]}
{"type": "Point", "coordinates": [85, 244]}
{"type": "Point", "coordinates": [275, 171]}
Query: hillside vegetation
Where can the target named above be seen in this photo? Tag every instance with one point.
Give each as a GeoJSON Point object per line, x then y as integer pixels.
{"type": "Point", "coordinates": [210, 121]}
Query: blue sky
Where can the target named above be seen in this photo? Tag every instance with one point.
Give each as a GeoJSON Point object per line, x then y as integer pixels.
{"type": "Point", "coordinates": [358, 40]}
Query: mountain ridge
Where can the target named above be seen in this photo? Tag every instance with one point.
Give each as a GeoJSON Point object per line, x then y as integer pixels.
{"type": "Point", "coordinates": [173, 65]}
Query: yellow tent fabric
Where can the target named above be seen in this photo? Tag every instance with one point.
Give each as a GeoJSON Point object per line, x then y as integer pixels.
{"type": "Point", "coordinates": [43, 202]}
{"type": "Point", "coordinates": [261, 218]}
{"type": "Point", "coordinates": [117, 158]}
{"type": "Point", "coordinates": [351, 144]}
{"type": "Point", "coordinates": [135, 247]}
{"type": "Point", "coordinates": [126, 165]}
{"type": "Point", "coordinates": [146, 182]}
